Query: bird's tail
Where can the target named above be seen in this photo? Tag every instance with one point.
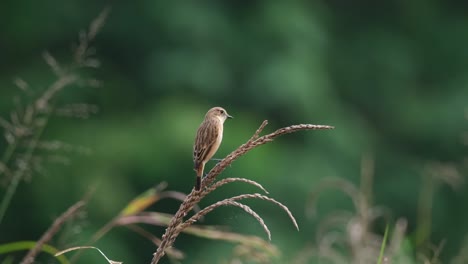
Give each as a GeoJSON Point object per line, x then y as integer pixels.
{"type": "Point", "coordinates": [199, 171]}
{"type": "Point", "coordinates": [198, 184]}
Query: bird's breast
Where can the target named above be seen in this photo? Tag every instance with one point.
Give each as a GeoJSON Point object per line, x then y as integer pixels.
{"type": "Point", "coordinates": [220, 136]}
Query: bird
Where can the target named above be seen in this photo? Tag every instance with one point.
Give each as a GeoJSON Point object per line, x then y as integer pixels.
{"type": "Point", "coordinates": [208, 139]}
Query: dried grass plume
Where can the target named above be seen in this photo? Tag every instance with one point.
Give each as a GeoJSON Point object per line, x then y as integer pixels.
{"type": "Point", "coordinates": [209, 184]}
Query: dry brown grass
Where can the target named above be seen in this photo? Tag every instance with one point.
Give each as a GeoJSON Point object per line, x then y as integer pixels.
{"type": "Point", "coordinates": [209, 184]}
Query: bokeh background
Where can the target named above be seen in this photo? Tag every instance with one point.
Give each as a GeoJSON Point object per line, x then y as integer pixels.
{"type": "Point", "coordinates": [391, 76]}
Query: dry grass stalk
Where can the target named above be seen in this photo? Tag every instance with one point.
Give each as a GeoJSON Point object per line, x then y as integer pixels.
{"type": "Point", "coordinates": [133, 213]}
{"type": "Point", "coordinates": [177, 223]}
{"type": "Point", "coordinates": [53, 229]}
{"type": "Point", "coordinates": [246, 241]}
{"type": "Point", "coordinates": [209, 232]}
{"type": "Point", "coordinates": [172, 253]}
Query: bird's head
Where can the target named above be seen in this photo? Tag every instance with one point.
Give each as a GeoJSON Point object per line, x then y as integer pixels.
{"type": "Point", "coordinates": [218, 112]}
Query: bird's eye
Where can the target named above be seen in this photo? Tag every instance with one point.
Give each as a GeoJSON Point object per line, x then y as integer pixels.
{"type": "Point", "coordinates": [221, 111]}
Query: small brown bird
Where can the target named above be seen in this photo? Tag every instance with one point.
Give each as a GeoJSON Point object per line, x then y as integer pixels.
{"type": "Point", "coordinates": [208, 139]}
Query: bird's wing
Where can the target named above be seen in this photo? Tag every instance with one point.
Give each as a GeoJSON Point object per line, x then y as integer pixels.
{"type": "Point", "coordinates": [204, 141]}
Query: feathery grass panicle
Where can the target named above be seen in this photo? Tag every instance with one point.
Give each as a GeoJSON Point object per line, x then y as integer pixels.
{"type": "Point", "coordinates": [254, 142]}
{"type": "Point", "coordinates": [341, 184]}
{"type": "Point", "coordinates": [224, 202]}
{"type": "Point", "coordinates": [23, 130]}
{"type": "Point", "coordinates": [222, 182]}
{"type": "Point", "coordinates": [348, 237]}
{"type": "Point", "coordinates": [208, 185]}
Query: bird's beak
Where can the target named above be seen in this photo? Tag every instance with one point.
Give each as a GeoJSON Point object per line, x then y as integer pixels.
{"type": "Point", "coordinates": [229, 116]}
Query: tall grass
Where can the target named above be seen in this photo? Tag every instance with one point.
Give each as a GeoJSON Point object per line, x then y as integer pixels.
{"type": "Point", "coordinates": [25, 125]}
{"type": "Point", "coordinates": [27, 150]}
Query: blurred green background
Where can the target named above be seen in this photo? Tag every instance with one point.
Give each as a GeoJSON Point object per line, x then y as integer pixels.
{"type": "Point", "coordinates": [392, 76]}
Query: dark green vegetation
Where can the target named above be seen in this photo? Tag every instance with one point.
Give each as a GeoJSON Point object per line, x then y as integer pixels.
{"type": "Point", "coordinates": [391, 77]}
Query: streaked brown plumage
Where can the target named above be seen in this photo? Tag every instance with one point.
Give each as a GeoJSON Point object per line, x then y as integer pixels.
{"type": "Point", "coordinates": [208, 139]}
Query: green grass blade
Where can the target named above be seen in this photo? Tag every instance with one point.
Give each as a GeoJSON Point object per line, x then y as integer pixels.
{"type": "Point", "coordinates": [26, 245]}
{"type": "Point", "coordinates": [384, 243]}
